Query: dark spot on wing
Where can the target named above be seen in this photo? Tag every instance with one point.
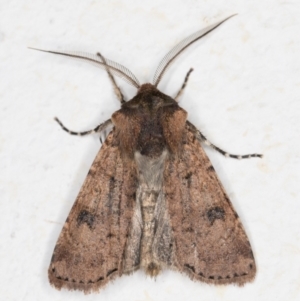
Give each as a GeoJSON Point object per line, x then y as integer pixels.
{"type": "Point", "coordinates": [215, 213]}
{"type": "Point", "coordinates": [85, 217]}
{"type": "Point", "coordinates": [112, 183]}
{"type": "Point", "coordinates": [190, 267]}
{"type": "Point", "coordinates": [111, 272]}
{"type": "Point", "coordinates": [188, 177]}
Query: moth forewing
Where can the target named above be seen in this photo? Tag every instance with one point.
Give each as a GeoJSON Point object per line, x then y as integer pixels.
{"type": "Point", "coordinates": [151, 199]}
{"type": "Point", "coordinates": [210, 242]}
{"type": "Point", "coordinates": [91, 246]}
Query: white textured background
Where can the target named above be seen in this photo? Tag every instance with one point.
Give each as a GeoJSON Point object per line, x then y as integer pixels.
{"type": "Point", "coordinates": [244, 95]}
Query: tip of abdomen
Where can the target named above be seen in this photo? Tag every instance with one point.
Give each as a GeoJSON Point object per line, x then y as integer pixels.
{"type": "Point", "coordinates": [153, 269]}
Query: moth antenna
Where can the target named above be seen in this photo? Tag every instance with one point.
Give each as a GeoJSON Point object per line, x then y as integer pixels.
{"type": "Point", "coordinates": [115, 68]}
{"type": "Point", "coordinates": [180, 47]}
{"type": "Point", "coordinates": [111, 77]}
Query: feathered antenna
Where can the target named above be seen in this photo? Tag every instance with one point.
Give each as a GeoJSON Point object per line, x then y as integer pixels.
{"type": "Point", "coordinates": [115, 68]}
{"type": "Point", "coordinates": [180, 47]}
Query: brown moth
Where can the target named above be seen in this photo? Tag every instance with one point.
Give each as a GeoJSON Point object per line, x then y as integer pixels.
{"type": "Point", "coordinates": [151, 199]}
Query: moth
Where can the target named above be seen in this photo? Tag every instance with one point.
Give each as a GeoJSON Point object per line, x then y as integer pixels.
{"type": "Point", "coordinates": [151, 199]}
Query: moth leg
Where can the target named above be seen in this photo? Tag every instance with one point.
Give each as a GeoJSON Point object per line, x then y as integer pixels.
{"type": "Point", "coordinates": [97, 129]}
{"type": "Point", "coordinates": [111, 77]}
{"type": "Point", "coordinates": [104, 135]}
{"type": "Point", "coordinates": [202, 138]}
{"type": "Point", "coordinates": [184, 84]}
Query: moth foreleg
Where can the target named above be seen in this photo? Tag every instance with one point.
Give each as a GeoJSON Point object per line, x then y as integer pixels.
{"type": "Point", "coordinates": [183, 85]}
{"type": "Point", "coordinates": [97, 129]}
{"type": "Point", "coordinates": [111, 77]}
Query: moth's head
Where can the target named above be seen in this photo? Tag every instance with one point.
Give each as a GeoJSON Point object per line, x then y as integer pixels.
{"type": "Point", "coordinates": [146, 88]}
{"type": "Point", "coordinates": [149, 100]}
